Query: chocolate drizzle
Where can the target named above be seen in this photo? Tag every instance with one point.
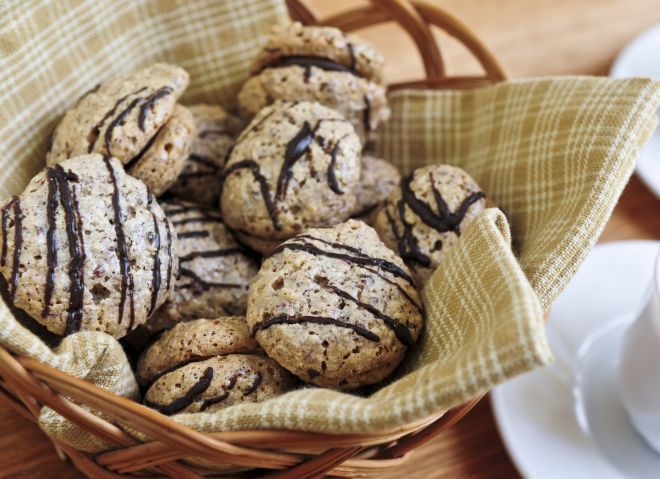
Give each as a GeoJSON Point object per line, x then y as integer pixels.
{"type": "Point", "coordinates": [332, 177]}
{"type": "Point", "coordinates": [306, 62]}
{"type": "Point", "coordinates": [443, 221]}
{"type": "Point", "coordinates": [215, 400]}
{"type": "Point", "coordinates": [169, 253]}
{"type": "Point", "coordinates": [155, 278]}
{"type": "Point", "coordinates": [142, 152]}
{"type": "Point", "coordinates": [51, 244]}
{"type": "Point", "coordinates": [199, 284]}
{"type": "Point", "coordinates": [187, 399]}
{"type": "Point", "coordinates": [193, 234]}
{"type": "Point", "coordinates": [263, 185]}
{"type": "Point", "coordinates": [255, 384]}
{"type": "Point", "coordinates": [213, 168]}
{"type": "Point", "coordinates": [5, 220]}
{"type": "Point", "coordinates": [145, 108]}
{"type": "Point", "coordinates": [122, 249]}
{"type": "Point", "coordinates": [76, 248]}
{"type": "Point", "coordinates": [211, 254]}
{"type": "Point", "coordinates": [407, 242]}
{"type": "Point", "coordinates": [367, 113]}
{"type": "Point", "coordinates": [359, 259]}
{"type": "Point", "coordinates": [119, 120]}
{"type": "Point", "coordinates": [400, 330]}
{"type": "Point", "coordinates": [285, 319]}
{"type": "Point", "coordinates": [294, 150]}
{"type": "Point", "coordinates": [96, 129]}
{"type": "Point", "coordinates": [18, 246]}
{"type": "Point", "coordinates": [198, 219]}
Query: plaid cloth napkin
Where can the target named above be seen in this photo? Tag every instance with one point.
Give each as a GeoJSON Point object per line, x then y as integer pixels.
{"type": "Point", "coordinates": [553, 153]}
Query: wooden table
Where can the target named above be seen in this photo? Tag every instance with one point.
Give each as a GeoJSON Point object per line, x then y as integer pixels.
{"type": "Point", "coordinates": [543, 37]}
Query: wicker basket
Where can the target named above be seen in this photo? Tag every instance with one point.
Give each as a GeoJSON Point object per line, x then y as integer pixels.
{"type": "Point", "coordinates": [27, 385]}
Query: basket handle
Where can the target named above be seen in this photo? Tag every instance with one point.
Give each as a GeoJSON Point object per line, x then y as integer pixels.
{"type": "Point", "coordinates": [417, 18]}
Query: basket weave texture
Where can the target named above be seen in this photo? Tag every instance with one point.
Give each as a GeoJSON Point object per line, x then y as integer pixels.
{"type": "Point", "coordinates": [554, 154]}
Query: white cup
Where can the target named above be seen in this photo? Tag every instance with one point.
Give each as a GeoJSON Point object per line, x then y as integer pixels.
{"type": "Point", "coordinates": [639, 369]}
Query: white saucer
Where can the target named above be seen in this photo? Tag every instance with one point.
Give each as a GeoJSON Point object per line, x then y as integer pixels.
{"type": "Point", "coordinates": [535, 412]}
{"type": "Point", "coordinates": [640, 59]}
{"type": "Point", "coordinates": [599, 408]}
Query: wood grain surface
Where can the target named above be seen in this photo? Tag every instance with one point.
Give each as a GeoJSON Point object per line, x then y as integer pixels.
{"type": "Point", "coordinates": [543, 37]}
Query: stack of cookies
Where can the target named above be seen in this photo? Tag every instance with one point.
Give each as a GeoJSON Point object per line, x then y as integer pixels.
{"type": "Point", "coordinates": [234, 251]}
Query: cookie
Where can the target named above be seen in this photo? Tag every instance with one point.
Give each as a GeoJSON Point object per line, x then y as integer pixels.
{"type": "Point", "coordinates": [200, 179]}
{"type": "Point", "coordinates": [362, 102]}
{"type": "Point", "coordinates": [295, 166]}
{"type": "Point", "coordinates": [120, 116]}
{"type": "Point", "coordinates": [341, 52]}
{"type": "Point", "coordinates": [194, 341]}
{"type": "Point", "coordinates": [378, 179]}
{"type": "Point", "coordinates": [215, 269]}
{"type": "Point", "coordinates": [217, 383]}
{"type": "Point", "coordinates": [87, 248]}
{"type": "Point", "coordinates": [426, 214]}
{"type": "Point", "coordinates": [320, 64]}
{"type": "Point", "coordinates": [335, 306]}
{"type": "Point", "coordinates": [164, 156]}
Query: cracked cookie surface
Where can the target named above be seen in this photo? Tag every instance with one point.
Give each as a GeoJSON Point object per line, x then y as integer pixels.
{"type": "Point", "coordinates": [87, 248]}
{"type": "Point", "coordinates": [335, 306]}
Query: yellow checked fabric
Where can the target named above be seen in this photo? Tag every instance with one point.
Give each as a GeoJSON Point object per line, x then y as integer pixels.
{"type": "Point", "coordinates": [553, 153]}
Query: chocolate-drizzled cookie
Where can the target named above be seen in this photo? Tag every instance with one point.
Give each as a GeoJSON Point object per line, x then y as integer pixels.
{"type": "Point", "coordinates": [335, 306]}
{"type": "Point", "coordinates": [200, 178]}
{"type": "Point", "coordinates": [295, 166]}
{"type": "Point", "coordinates": [320, 64]}
{"type": "Point", "coordinates": [426, 214]}
{"type": "Point", "coordinates": [215, 269]}
{"type": "Point", "coordinates": [86, 247]}
{"type": "Point", "coordinates": [133, 118]}
{"type": "Point", "coordinates": [206, 365]}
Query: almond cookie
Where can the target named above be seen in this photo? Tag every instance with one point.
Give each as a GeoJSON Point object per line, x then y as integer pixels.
{"type": "Point", "coordinates": [200, 179]}
{"type": "Point", "coordinates": [425, 215]}
{"type": "Point", "coordinates": [164, 156]}
{"type": "Point", "coordinates": [126, 117]}
{"type": "Point", "coordinates": [320, 64]}
{"type": "Point", "coordinates": [335, 306]}
{"type": "Point", "coordinates": [295, 166]}
{"type": "Point", "coordinates": [194, 341]}
{"type": "Point", "coordinates": [215, 269]}
{"type": "Point", "coordinates": [217, 383]}
{"type": "Point", "coordinates": [86, 247]}
{"type": "Point", "coordinates": [378, 179]}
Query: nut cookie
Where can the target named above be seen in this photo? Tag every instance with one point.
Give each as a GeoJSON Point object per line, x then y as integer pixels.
{"type": "Point", "coordinates": [362, 102]}
{"type": "Point", "coordinates": [215, 269]}
{"type": "Point", "coordinates": [425, 215]}
{"type": "Point", "coordinates": [86, 248]}
{"type": "Point", "coordinates": [165, 155]}
{"type": "Point", "coordinates": [340, 51]}
{"type": "Point", "coordinates": [194, 341]}
{"type": "Point", "coordinates": [119, 116]}
{"type": "Point", "coordinates": [320, 64]}
{"type": "Point", "coordinates": [295, 166]}
{"type": "Point", "coordinates": [378, 179]}
{"type": "Point", "coordinates": [217, 383]}
{"type": "Point", "coordinates": [335, 306]}
{"type": "Point", "coordinates": [200, 179]}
